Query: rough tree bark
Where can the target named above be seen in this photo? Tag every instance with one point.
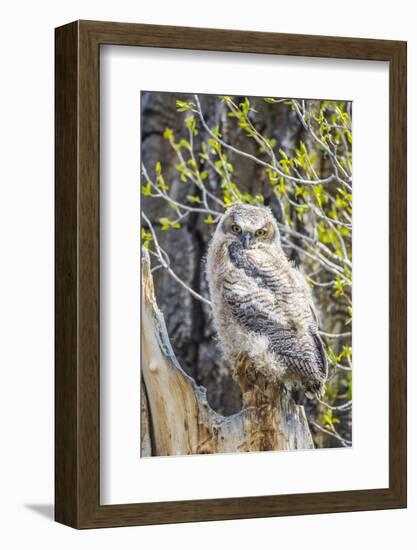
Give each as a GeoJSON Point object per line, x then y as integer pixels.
{"type": "Point", "coordinates": [176, 418]}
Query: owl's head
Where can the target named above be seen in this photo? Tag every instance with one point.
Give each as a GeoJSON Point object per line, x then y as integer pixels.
{"type": "Point", "coordinates": [253, 226]}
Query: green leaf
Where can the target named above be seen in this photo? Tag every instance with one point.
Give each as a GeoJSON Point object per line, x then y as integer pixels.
{"type": "Point", "coordinates": [195, 199]}
{"type": "Point", "coordinates": [182, 105]}
{"type": "Point", "coordinates": [216, 132]}
{"type": "Point", "coordinates": [283, 154]}
{"type": "Point", "coordinates": [147, 190]}
{"type": "Point", "coordinates": [191, 124]}
{"type": "Point", "coordinates": [168, 134]}
{"type": "Point", "coordinates": [183, 144]}
{"type": "Point", "coordinates": [162, 185]}
{"type": "Point", "coordinates": [146, 237]}
{"type": "Point", "coordinates": [273, 176]}
{"type": "Point", "coordinates": [215, 145]}
{"type": "Point", "coordinates": [245, 106]}
{"type": "Point", "coordinates": [300, 191]}
{"type": "Point", "coordinates": [166, 224]}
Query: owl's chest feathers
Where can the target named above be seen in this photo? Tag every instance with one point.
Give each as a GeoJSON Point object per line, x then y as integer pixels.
{"type": "Point", "coordinates": [257, 271]}
{"type": "Point", "coordinates": [262, 279]}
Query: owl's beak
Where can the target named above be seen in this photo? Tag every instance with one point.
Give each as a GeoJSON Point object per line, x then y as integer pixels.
{"type": "Point", "coordinates": [247, 239]}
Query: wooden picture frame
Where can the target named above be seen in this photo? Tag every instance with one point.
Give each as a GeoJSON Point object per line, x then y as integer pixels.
{"type": "Point", "coordinates": [77, 375]}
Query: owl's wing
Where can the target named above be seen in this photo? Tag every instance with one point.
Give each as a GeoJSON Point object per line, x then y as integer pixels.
{"type": "Point", "coordinates": [254, 307]}
{"type": "Point", "coordinates": [304, 354]}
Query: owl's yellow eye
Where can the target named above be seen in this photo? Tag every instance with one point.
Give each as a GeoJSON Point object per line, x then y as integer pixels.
{"type": "Point", "coordinates": [236, 228]}
{"type": "Point", "coordinates": [260, 233]}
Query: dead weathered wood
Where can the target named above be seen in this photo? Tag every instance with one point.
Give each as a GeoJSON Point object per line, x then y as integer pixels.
{"type": "Point", "coordinates": [145, 432]}
{"type": "Point", "coordinates": [176, 417]}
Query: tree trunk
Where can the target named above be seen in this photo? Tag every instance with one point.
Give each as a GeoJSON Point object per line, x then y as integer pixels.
{"type": "Point", "coordinates": [176, 418]}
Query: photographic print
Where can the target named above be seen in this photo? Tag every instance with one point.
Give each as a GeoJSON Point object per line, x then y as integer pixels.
{"type": "Point", "coordinates": [246, 240]}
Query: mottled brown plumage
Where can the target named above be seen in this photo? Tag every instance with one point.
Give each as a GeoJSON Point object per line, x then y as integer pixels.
{"type": "Point", "coordinates": [262, 305]}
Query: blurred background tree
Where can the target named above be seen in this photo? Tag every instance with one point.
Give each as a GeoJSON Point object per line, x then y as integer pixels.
{"type": "Point", "coordinates": [200, 153]}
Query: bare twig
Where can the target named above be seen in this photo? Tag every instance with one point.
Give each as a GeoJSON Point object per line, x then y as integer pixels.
{"type": "Point", "coordinates": [252, 157]}
{"type": "Point", "coordinates": [160, 251]}
{"type": "Point", "coordinates": [343, 441]}
{"type": "Point", "coordinates": [177, 204]}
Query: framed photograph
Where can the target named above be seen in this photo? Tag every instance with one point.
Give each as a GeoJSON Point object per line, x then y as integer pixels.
{"type": "Point", "coordinates": [230, 274]}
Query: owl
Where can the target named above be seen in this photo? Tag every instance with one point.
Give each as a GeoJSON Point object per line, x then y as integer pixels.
{"type": "Point", "coordinates": [262, 305]}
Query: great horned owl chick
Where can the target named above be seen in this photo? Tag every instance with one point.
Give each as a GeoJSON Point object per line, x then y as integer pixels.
{"type": "Point", "coordinates": [262, 305]}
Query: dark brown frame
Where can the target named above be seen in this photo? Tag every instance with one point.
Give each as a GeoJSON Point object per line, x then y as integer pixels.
{"type": "Point", "coordinates": [77, 274]}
